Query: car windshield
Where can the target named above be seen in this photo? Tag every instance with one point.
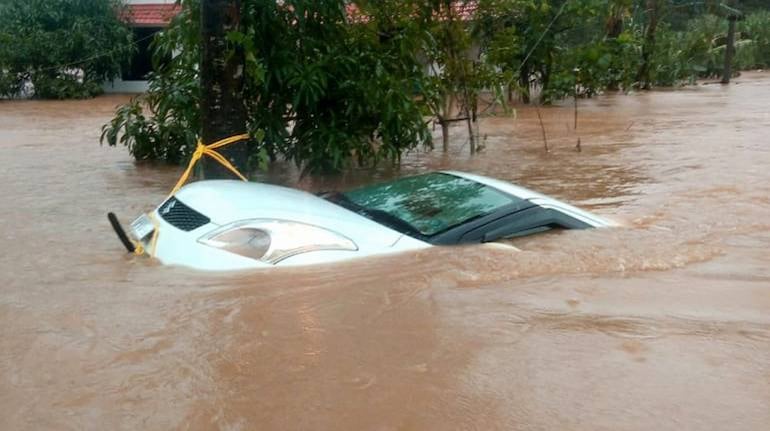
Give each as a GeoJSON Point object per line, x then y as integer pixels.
{"type": "Point", "coordinates": [426, 204]}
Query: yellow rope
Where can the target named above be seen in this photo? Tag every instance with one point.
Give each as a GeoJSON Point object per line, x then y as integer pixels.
{"type": "Point", "coordinates": [155, 233]}
{"type": "Point", "coordinates": [209, 150]}
{"type": "Point", "coordinates": [200, 151]}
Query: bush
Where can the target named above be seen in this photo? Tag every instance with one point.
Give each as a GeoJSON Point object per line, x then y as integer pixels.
{"type": "Point", "coordinates": [591, 67]}
{"type": "Point", "coordinates": [699, 50]}
{"type": "Point", "coordinates": [756, 28]}
{"type": "Point", "coordinates": [65, 48]}
{"type": "Point", "coordinates": [163, 124]}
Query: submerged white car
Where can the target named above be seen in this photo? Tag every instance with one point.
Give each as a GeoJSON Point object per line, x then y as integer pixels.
{"type": "Point", "coordinates": [229, 225]}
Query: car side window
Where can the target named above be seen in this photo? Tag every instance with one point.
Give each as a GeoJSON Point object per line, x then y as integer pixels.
{"type": "Point", "coordinates": [526, 222]}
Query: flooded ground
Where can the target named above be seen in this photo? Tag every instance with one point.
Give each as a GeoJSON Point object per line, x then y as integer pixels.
{"type": "Point", "coordinates": [663, 324]}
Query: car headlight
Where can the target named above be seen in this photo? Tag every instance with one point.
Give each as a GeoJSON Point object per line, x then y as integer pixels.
{"type": "Point", "coordinates": [272, 240]}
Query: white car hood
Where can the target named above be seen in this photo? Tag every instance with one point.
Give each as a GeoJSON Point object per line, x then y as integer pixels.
{"type": "Point", "coordinates": [227, 201]}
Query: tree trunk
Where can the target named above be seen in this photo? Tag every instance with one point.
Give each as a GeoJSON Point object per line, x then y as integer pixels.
{"type": "Point", "coordinates": [471, 135]}
{"type": "Point", "coordinates": [524, 83]}
{"type": "Point", "coordinates": [223, 113]}
{"type": "Point", "coordinates": [614, 25]}
{"type": "Point", "coordinates": [648, 47]}
{"type": "Point", "coordinates": [444, 134]}
{"type": "Point", "coordinates": [613, 29]}
{"type": "Point", "coordinates": [467, 109]}
{"type": "Point", "coordinates": [542, 128]}
{"type": "Point", "coordinates": [447, 110]}
{"type": "Point", "coordinates": [545, 80]}
{"type": "Point", "coordinates": [727, 72]}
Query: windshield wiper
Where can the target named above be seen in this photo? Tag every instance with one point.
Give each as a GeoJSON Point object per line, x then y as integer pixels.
{"type": "Point", "coordinates": [341, 200]}
{"type": "Point", "coordinates": [377, 215]}
{"type": "Point", "coordinates": [388, 219]}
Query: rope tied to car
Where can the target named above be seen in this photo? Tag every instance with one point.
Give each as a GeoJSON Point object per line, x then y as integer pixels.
{"type": "Point", "coordinates": [200, 151]}
{"type": "Point", "coordinates": [210, 150]}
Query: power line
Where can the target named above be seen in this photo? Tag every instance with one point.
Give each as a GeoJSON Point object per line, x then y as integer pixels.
{"type": "Point", "coordinates": [558, 14]}
{"type": "Point", "coordinates": [93, 57]}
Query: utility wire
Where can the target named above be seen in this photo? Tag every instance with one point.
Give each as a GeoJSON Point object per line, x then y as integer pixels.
{"type": "Point", "coordinates": [93, 57]}
{"type": "Point", "coordinates": [540, 39]}
{"type": "Point", "coordinates": [558, 14]}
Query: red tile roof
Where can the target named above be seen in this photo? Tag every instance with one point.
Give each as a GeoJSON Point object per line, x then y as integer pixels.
{"type": "Point", "coordinates": [462, 10]}
{"type": "Point", "coordinates": [160, 15]}
{"type": "Point", "coordinates": [150, 15]}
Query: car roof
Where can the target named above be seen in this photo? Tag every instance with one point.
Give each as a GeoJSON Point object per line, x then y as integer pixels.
{"type": "Point", "coordinates": [518, 191]}
{"type": "Point", "coordinates": [537, 198]}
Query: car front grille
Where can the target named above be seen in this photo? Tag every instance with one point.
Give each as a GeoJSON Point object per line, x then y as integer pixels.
{"type": "Point", "coordinates": [181, 216]}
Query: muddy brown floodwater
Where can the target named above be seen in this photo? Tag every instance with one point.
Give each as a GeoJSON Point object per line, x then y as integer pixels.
{"type": "Point", "coordinates": [663, 324]}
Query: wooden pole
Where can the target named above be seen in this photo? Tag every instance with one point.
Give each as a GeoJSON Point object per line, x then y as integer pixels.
{"type": "Point", "coordinates": [542, 127]}
{"type": "Point", "coordinates": [578, 147]}
{"type": "Point", "coordinates": [223, 113]}
{"type": "Point", "coordinates": [576, 110]}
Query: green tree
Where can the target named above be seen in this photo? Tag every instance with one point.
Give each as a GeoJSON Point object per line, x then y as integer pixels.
{"type": "Point", "coordinates": [456, 74]}
{"type": "Point", "coordinates": [617, 37]}
{"type": "Point", "coordinates": [600, 50]}
{"type": "Point", "coordinates": [653, 11]}
{"type": "Point", "coordinates": [65, 48]}
{"type": "Point", "coordinates": [326, 94]}
{"type": "Point", "coordinates": [527, 39]}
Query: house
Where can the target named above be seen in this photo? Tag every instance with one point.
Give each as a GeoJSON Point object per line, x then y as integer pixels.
{"type": "Point", "coordinates": [146, 18]}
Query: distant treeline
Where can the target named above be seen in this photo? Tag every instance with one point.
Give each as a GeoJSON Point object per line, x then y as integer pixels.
{"type": "Point", "coordinates": [330, 84]}
{"type": "Point", "coordinates": [333, 83]}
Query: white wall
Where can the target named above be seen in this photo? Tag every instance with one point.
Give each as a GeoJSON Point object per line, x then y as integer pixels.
{"type": "Point", "coordinates": [149, 1]}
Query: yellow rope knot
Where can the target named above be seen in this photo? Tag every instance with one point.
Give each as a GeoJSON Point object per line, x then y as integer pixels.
{"type": "Point", "coordinates": [210, 150]}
